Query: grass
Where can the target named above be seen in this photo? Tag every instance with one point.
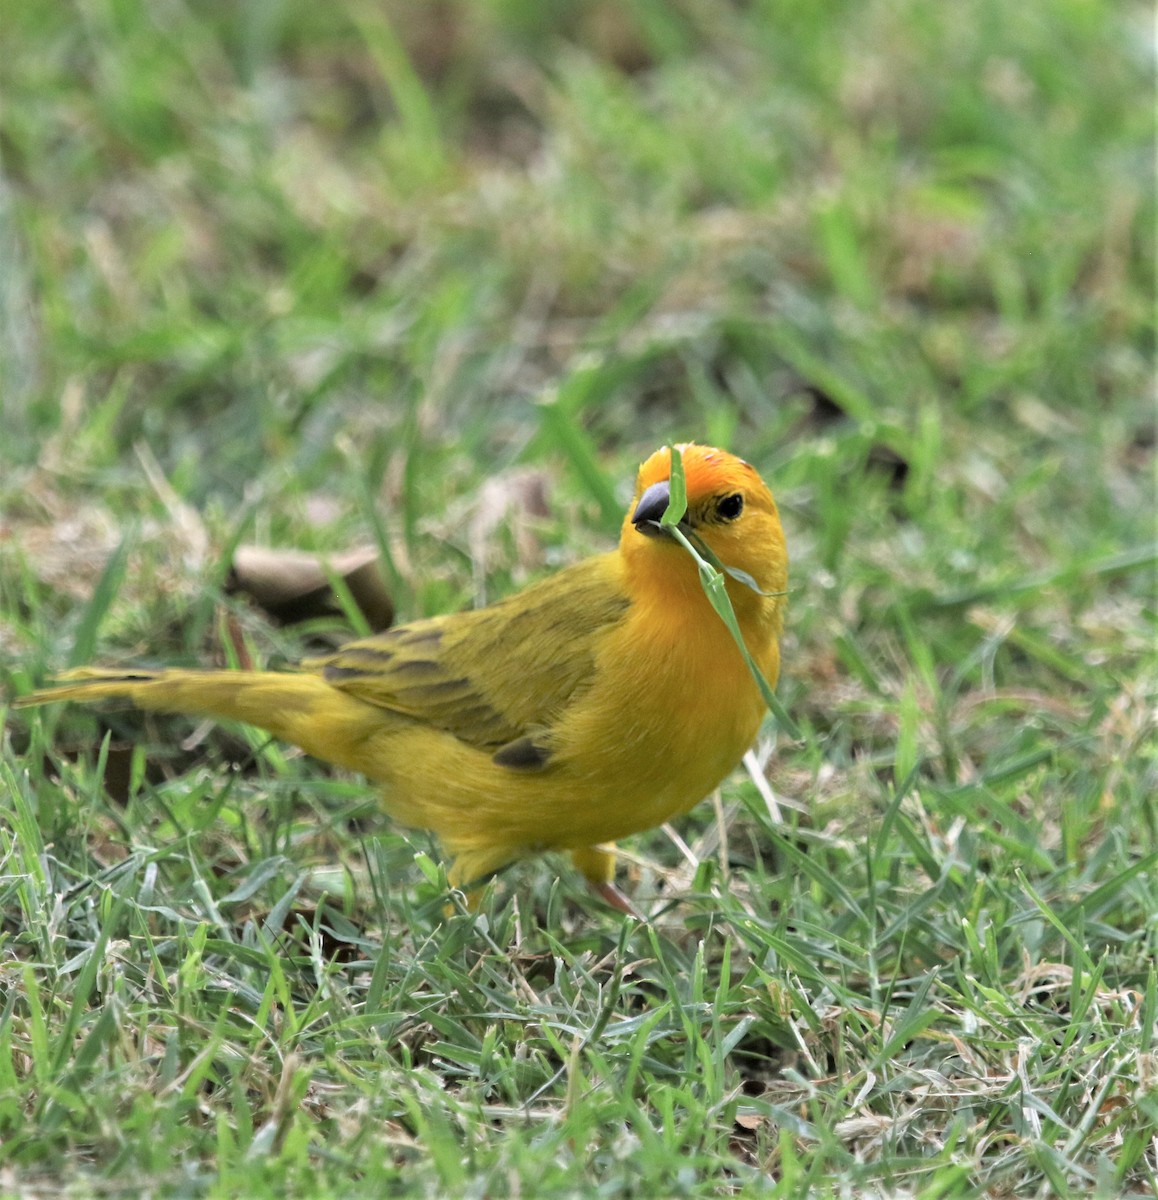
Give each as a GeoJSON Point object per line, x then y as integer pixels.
{"type": "Point", "coordinates": [312, 276]}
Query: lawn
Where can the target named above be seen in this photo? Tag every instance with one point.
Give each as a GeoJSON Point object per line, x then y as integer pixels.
{"type": "Point", "coordinates": [434, 278]}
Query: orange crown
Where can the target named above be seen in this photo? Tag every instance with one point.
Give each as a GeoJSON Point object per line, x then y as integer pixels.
{"type": "Point", "coordinates": [707, 469]}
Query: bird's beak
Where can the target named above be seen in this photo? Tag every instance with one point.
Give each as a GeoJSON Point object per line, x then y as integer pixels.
{"type": "Point", "coordinates": [652, 505]}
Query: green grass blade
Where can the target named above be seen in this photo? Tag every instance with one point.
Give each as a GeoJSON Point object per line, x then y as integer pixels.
{"type": "Point", "coordinates": [112, 578]}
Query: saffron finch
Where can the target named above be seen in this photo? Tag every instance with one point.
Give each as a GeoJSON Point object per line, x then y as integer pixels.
{"type": "Point", "coordinates": [599, 702]}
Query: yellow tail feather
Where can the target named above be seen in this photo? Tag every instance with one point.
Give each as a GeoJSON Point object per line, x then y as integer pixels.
{"type": "Point", "coordinates": [296, 707]}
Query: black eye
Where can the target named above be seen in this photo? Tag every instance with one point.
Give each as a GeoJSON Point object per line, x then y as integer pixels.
{"type": "Point", "coordinates": [730, 507]}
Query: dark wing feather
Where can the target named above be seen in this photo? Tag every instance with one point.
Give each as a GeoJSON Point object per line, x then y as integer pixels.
{"type": "Point", "coordinates": [497, 677]}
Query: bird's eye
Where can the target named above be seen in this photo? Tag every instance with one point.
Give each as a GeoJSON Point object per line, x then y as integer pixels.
{"type": "Point", "coordinates": [730, 507]}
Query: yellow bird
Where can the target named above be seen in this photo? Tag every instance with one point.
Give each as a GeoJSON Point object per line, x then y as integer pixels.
{"type": "Point", "coordinates": [596, 703]}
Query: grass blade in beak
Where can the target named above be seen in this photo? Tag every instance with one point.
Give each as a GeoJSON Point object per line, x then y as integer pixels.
{"type": "Point", "coordinates": [712, 572]}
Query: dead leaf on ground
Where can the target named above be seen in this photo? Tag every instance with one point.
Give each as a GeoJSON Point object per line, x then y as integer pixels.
{"type": "Point", "coordinates": [293, 585]}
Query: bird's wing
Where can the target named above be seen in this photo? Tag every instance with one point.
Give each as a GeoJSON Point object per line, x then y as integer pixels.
{"type": "Point", "coordinates": [497, 678]}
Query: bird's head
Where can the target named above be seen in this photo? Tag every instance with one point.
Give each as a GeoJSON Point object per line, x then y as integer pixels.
{"type": "Point", "coordinates": [729, 508]}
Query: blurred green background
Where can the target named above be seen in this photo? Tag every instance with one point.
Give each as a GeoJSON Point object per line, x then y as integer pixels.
{"type": "Point", "coordinates": [437, 276]}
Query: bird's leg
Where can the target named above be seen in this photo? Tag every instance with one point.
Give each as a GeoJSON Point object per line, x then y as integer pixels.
{"type": "Point", "coordinates": [597, 864]}
{"type": "Point", "coordinates": [614, 897]}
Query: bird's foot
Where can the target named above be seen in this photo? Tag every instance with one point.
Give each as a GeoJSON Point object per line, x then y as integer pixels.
{"type": "Point", "coordinates": [614, 897]}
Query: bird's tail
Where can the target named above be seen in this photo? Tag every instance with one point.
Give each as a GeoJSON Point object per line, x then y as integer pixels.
{"type": "Point", "coordinates": [296, 707]}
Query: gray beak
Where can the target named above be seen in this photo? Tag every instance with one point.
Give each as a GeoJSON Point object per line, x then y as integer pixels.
{"type": "Point", "coordinates": [652, 505]}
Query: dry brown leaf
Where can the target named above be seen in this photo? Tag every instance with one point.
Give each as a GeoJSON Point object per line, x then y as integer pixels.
{"type": "Point", "coordinates": [292, 585]}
